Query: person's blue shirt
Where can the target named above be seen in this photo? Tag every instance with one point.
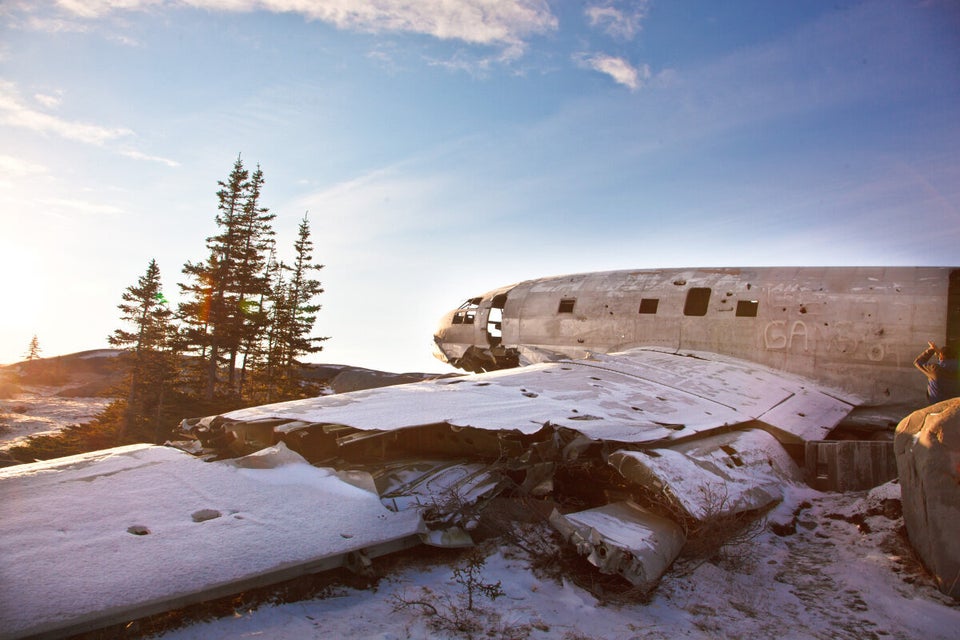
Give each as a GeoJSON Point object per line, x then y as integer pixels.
{"type": "Point", "coordinates": [943, 376]}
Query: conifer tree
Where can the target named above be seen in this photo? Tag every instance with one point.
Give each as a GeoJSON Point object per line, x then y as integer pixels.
{"type": "Point", "coordinates": [33, 350]}
{"type": "Point", "coordinates": [295, 313]}
{"type": "Point", "coordinates": [301, 293]}
{"type": "Point", "coordinates": [151, 342]}
{"type": "Point", "coordinates": [250, 281]}
{"type": "Point", "coordinates": [222, 312]}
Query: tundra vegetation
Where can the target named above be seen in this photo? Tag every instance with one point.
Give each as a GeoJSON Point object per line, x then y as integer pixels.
{"type": "Point", "coordinates": [236, 339]}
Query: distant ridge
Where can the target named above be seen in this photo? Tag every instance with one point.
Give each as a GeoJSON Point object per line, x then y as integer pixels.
{"type": "Point", "coordinates": [96, 372]}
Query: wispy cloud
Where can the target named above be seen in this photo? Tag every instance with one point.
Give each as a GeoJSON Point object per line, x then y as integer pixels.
{"type": "Point", "coordinates": [16, 113]}
{"type": "Point", "coordinates": [49, 101]}
{"type": "Point", "coordinates": [81, 206]}
{"type": "Point", "coordinates": [382, 202]}
{"type": "Point", "coordinates": [617, 68]}
{"type": "Point", "coordinates": [621, 20]}
{"type": "Point", "coordinates": [504, 23]}
{"type": "Point", "coordinates": [137, 155]}
{"type": "Point", "coordinates": [18, 167]}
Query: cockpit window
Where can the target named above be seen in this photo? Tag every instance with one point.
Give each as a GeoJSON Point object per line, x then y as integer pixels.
{"type": "Point", "coordinates": [472, 303]}
{"type": "Point", "coordinates": [467, 313]}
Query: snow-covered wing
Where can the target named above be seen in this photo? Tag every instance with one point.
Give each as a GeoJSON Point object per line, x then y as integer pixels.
{"type": "Point", "coordinates": [637, 396]}
{"type": "Point", "coordinates": [100, 538]}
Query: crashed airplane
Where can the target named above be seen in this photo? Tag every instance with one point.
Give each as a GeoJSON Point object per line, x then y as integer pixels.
{"type": "Point", "coordinates": [660, 398]}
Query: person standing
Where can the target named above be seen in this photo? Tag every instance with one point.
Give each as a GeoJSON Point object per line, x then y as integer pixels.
{"type": "Point", "coordinates": [943, 376]}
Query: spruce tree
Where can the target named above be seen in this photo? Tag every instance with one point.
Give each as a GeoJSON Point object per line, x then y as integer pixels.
{"type": "Point", "coordinates": [301, 293]}
{"type": "Point", "coordinates": [223, 311]}
{"type": "Point", "coordinates": [151, 341]}
{"type": "Point", "coordinates": [33, 350]}
{"type": "Point", "coordinates": [250, 281]}
{"type": "Point", "coordinates": [296, 314]}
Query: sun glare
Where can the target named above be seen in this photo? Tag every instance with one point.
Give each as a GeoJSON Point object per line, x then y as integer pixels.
{"type": "Point", "coordinates": [27, 299]}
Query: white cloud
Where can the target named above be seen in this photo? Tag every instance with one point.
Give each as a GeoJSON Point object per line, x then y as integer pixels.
{"type": "Point", "coordinates": [505, 23]}
{"type": "Point", "coordinates": [49, 101]}
{"type": "Point", "coordinates": [15, 113]}
{"type": "Point", "coordinates": [381, 202]}
{"type": "Point", "coordinates": [137, 155]}
{"type": "Point", "coordinates": [12, 166]}
{"type": "Point", "coordinates": [619, 23]}
{"type": "Point", "coordinates": [81, 206]}
{"type": "Point", "coordinates": [96, 8]}
{"type": "Point", "coordinates": [617, 68]}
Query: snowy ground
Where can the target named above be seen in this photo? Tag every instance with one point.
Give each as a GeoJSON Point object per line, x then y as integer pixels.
{"type": "Point", "coordinates": [38, 410]}
{"type": "Point", "coordinates": [843, 574]}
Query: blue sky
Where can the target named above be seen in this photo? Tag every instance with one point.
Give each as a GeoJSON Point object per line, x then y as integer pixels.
{"type": "Point", "coordinates": [446, 148]}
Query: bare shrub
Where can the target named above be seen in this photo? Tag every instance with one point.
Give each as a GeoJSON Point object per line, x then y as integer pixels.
{"type": "Point", "coordinates": [461, 613]}
{"type": "Point", "coordinates": [720, 534]}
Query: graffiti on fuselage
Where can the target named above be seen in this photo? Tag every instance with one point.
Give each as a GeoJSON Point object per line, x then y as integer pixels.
{"type": "Point", "coordinates": [841, 338]}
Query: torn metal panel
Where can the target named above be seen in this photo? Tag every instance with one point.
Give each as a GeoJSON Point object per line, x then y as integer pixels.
{"type": "Point", "coordinates": [637, 396]}
{"type": "Point", "coordinates": [623, 538]}
{"type": "Point", "coordinates": [713, 476]}
{"type": "Point", "coordinates": [327, 443]}
{"type": "Point", "coordinates": [447, 494]}
{"type": "Point", "coordinates": [161, 529]}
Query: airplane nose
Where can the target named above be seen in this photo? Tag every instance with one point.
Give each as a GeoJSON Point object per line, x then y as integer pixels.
{"type": "Point", "coordinates": [438, 352]}
{"type": "Point", "coordinates": [440, 338]}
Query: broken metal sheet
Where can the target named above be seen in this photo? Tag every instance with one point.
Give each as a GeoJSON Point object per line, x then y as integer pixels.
{"type": "Point", "coordinates": [714, 476]}
{"type": "Point", "coordinates": [623, 538]}
{"type": "Point", "coordinates": [445, 492]}
{"type": "Point", "coordinates": [104, 537]}
{"type": "Point", "coordinates": [637, 396]}
{"type": "Point", "coordinates": [431, 483]}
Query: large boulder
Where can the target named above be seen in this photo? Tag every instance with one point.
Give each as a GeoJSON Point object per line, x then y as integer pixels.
{"type": "Point", "coordinates": [927, 447]}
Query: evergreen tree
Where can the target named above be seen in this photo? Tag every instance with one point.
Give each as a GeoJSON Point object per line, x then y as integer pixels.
{"type": "Point", "coordinates": [301, 292]}
{"type": "Point", "coordinates": [223, 310]}
{"type": "Point", "coordinates": [291, 315]}
{"type": "Point", "coordinates": [250, 281]}
{"type": "Point", "coordinates": [33, 350]}
{"type": "Point", "coordinates": [151, 342]}
{"type": "Point", "coordinates": [294, 315]}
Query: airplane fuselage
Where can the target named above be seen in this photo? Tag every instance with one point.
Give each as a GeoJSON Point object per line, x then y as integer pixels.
{"type": "Point", "coordinates": [855, 328]}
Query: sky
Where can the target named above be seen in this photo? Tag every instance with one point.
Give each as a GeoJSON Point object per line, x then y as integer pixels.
{"type": "Point", "coordinates": [446, 148]}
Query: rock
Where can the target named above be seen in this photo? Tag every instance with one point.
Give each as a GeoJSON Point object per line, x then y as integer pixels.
{"type": "Point", "coordinates": [927, 447]}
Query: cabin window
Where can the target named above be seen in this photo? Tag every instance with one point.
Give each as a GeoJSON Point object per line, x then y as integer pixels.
{"type": "Point", "coordinates": [566, 305]}
{"type": "Point", "coordinates": [697, 300]}
{"type": "Point", "coordinates": [649, 305]}
{"type": "Point", "coordinates": [747, 308]}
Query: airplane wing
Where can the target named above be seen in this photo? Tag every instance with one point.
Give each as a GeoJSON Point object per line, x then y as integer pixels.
{"type": "Point", "coordinates": [702, 431]}
{"type": "Point", "coordinates": [639, 396]}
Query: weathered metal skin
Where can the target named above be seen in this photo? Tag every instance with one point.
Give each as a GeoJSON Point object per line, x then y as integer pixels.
{"type": "Point", "coordinates": [854, 328]}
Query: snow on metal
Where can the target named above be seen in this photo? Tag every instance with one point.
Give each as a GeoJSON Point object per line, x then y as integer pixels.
{"type": "Point", "coordinates": [623, 538]}
{"type": "Point", "coordinates": [714, 476]}
{"type": "Point", "coordinates": [641, 395]}
{"type": "Point", "coordinates": [104, 537]}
